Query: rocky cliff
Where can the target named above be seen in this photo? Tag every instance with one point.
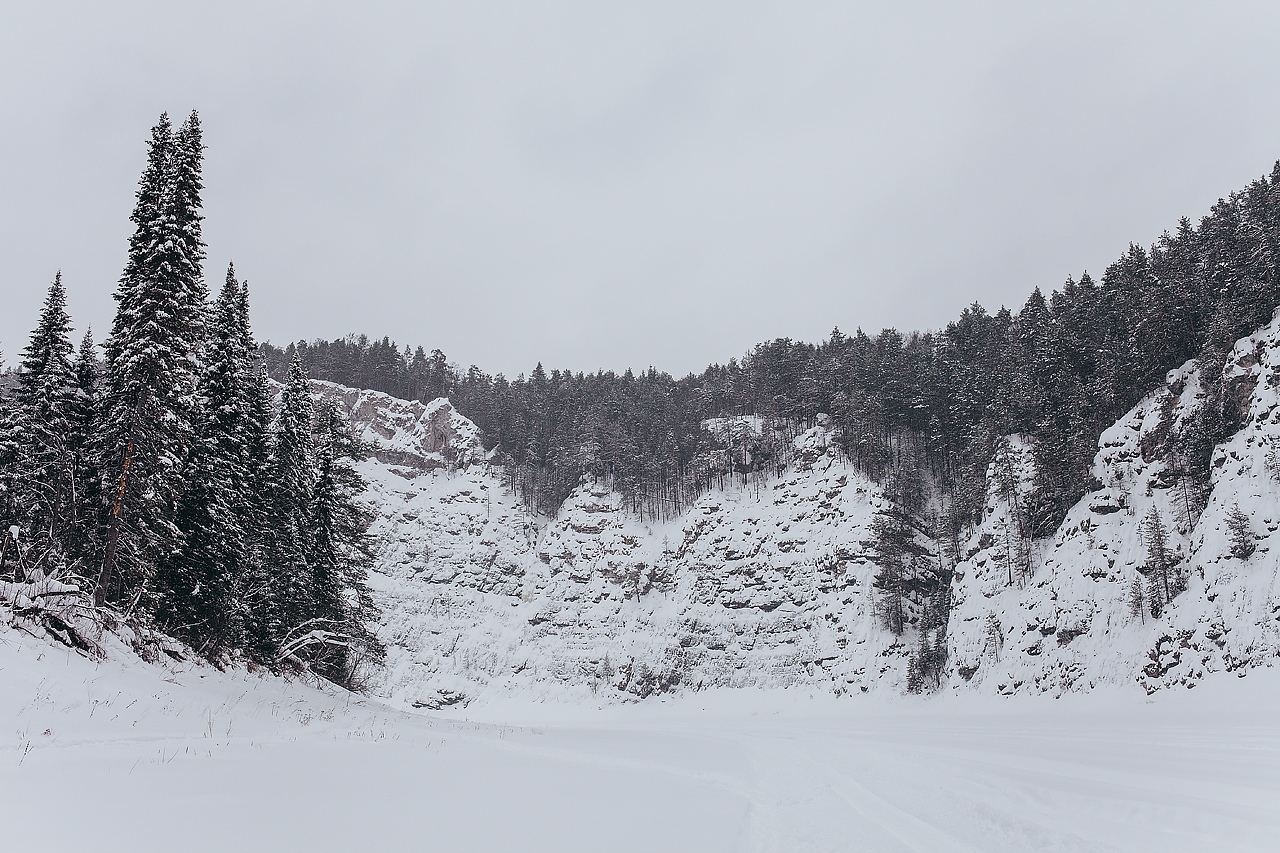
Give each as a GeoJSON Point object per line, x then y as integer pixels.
{"type": "Point", "coordinates": [1080, 615]}
{"type": "Point", "coordinates": [769, 583]}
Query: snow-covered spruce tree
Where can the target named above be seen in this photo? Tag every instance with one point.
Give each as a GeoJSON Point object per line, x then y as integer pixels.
{"type": "Point", "coordinates": [1203, 430]}
{"type": "Point", "coordinates": [185, 207]}
{"type": "Point", "coordinates": [198, 585]}
{"type": "Point", "coordinates": [338, 557]}
{"type": "Point", "coordinates": [928, 661]}
{"type": "Point", "coordinates": [287, 601]}
{"type": "Point", "coordinates": [1164, 580]}
{"type": "Point", "coordinates": [44, 474]}
{"type": "Point", "coordinates": [1243, 542]}
{"type": "Point", "coordinates": [327, 534]}
{"type": "Point", "coordinates": [1190, 450]}
{"type": "Point", "coordinates": [82, 526]}
{"type": "Point", "coordinates": [892, 548]}
{"type": "Point", "coordinates": [1137, 600]}
{"type": "Point", "coordinates": [256, 603]}
{"type": "Point", "coordinates": [9, 435]}
{"type": "Point", "coordinates": [992, 636]}
{"type": "Point", "coordinates": [151, 364]}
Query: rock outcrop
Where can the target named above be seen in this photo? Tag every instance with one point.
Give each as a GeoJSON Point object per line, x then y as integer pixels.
{"type": "Point", "coordinates": [769, 583]}
{"type": "Point", "coordinates": [1081, 616]}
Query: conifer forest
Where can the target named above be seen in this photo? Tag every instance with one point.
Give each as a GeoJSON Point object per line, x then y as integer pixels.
{"type": "Point", "coordinates": [167, 473]}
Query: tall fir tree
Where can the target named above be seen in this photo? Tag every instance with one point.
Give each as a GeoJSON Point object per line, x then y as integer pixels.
{"type": "Point", "coordinates": [339, 553]}
{"type": "Point", "coordinates": [200, 582]}
{"type": "Point", "coordinates": [83, 420]}
{"type": "Point", "coordinates": [290, 486]}
{"type": "Point", "coordinates": [1161, 563]}
{"type": "Point", "coordinates": [151, 367]}
{"type": "Point", "coordinates": [257, 611]}
{"type": "Point", "coordinates": [1239, 529]}
{"type": "Point", "coordinates": [45, 410]}
{"type": "Point", "coordinates": [892, 545]}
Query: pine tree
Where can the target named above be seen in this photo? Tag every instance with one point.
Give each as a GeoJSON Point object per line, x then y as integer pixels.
{"type": "Point", "coordinates": [10, 454]}
{"type": "Point", "coordinates": [1243, 542]}
{"type": "Point", "coordinates": [290, 486]}
{"type": "Point", "coordinates": [187, 220]}
{"type": "Point", "coordinates": [927, 663]}
{"type": "Point", "coordinates": [338, 553]}
{"type": "Point", "coordinates": [151, 365]}
{"type": "Point", "coordinates": [257, 612]}
{"type": "Point", "coordinates": [1137, 599]}
{"type": "Point", "coordinates": [1160, 561]}
{"type": "Point", "coordinates": [1155, 597]}
{"type": "Point", "coordinates": [199, 584]}
{"type": "Point", "coordinates": [83, 419]}
{"type": "Point", "coordinates": [993, 636]}
{"type": "Point", "coordinates": [45, 475]}
{"type": "Point", "coordinates": [325, 558]}
{"type": "Point", "coordinates": [45, 377]}
{"type": "Point", "coordinates": [892, 547]}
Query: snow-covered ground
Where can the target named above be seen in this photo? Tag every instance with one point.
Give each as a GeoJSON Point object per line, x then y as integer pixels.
{"type": "Point", "coordinates": [122, 755]}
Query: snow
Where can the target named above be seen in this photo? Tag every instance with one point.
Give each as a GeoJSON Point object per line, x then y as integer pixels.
{"type": "Point", "coordinates": [1068, 627]}
{"type": "Point", "coordinates": [424, 436]}
{"type": "Point", "coordinates": [123, 755]}
{"type": "Point", "coordinates": [766, 584]}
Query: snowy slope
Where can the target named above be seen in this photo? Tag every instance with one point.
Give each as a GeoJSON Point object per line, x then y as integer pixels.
{"type": "Point", "coordinates": [1070, 625]}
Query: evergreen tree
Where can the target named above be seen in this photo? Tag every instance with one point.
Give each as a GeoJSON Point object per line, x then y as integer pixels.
{"type": "Point", "coordinates": [187, 221]}
{"type": "Point", "coordinates": [9, 455]}
{"type": "Point", "coordinates": [1243, 542]}
{"type": "Point", "coordinates": [45, 474]}
{"type": "Point", "coordinates": [1160, 561]}
{"type": "Point", "coordinates": [152, 354]}
{"type": "Point", "coordinates": [290, 485]}
{"type": "Point", "coordinates": [83, 420]}
{"type": "Point", "coordinates": [929, 660]}
{"type": "Point", "coordinates": [199, 584]}
{"type": "Point", "coordinates": [257, 610]}
{"type": "Point", "coordinates": [1137, 599]}
{"type": "Point", "coordinates": [338, 553]}
{"type": "Point", "coordinates": [892, 547]}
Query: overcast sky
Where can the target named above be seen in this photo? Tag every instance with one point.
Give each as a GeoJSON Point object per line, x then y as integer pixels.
{"type": "Point", "coordinates": [608, 185]}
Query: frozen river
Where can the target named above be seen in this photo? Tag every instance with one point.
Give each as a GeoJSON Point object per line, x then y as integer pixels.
{"type": "Point", "coordinates": [140, 758]}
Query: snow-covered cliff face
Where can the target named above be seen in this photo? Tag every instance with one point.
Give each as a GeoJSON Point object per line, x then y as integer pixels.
{"type": "Point", "coordinates": [1080, 615]}
{"type": "Point", "coordinates": [421, 436]}
{"type": "Point", "coordinates": [764, 584]}
{"type": "Point", "coordinates": [769, 583]}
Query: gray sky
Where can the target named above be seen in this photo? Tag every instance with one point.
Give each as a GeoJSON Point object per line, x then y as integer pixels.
{"type": "Point", "coordinates": [610, 185]}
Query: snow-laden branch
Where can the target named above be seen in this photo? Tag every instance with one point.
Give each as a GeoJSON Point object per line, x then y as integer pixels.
{"type": "Point", "coordinates": [310, 634]}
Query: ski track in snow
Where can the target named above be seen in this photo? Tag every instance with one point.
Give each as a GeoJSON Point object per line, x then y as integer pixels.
{"type": "Point", "coordinates": [145, 757]}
